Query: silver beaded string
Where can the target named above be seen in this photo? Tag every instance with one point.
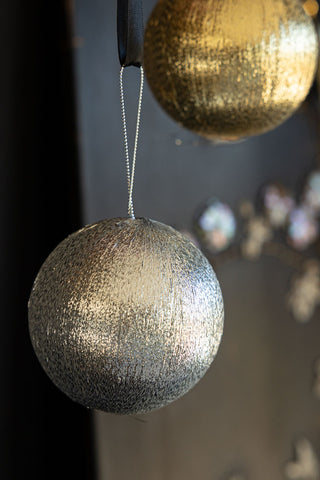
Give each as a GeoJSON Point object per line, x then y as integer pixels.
{"type": "Point", "coordinates": [130, 170]}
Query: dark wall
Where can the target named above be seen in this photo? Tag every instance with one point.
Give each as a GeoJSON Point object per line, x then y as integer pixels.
{"type": "Point", "coordinates": [43, 434]}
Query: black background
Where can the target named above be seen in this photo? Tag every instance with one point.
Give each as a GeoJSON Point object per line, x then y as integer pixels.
{"type": "Point", "coordinates": [43, 434]}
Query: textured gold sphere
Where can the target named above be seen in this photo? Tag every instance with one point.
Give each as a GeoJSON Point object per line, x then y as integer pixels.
{"type": "Point", "coordinates": [230, 68]}
{"type": "Point", "coordinates": [126, 315]}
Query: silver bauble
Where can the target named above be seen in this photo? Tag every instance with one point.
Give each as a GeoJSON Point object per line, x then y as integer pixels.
{"type": "Point", "coordinates": [126, 315]}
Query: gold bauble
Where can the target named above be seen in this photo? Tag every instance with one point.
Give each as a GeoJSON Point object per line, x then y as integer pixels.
{"type": "Point", "coordinates": [230, 68]}
{"type": "Point", "coordinates": [126, 315]}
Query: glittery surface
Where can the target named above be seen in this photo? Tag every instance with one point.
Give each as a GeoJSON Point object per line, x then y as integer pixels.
{"type": "Point", "coordinates": [230, 68]}
{"type": "Point", "coordinates": [126, 315]}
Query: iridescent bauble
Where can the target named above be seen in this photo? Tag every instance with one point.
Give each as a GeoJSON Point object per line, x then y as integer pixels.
{"type": "Point", "coordinates": [230, 68]}
{"type": "Point", "coordinates": [215, 225]}
{"type": "Point", "coordinates": [311, 195]}
{"type": "Point", "coordinates": [126, 315]}
{"type": "Point", "coordinates": [277, 204]}
{"type": "Point", "coordinates": [303, 229]}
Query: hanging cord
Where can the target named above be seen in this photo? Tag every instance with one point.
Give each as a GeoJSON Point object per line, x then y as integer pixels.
{"type": "Point", "coordinates": [130, 30]}
{"type": "Point", "coordinates": [131, 169]}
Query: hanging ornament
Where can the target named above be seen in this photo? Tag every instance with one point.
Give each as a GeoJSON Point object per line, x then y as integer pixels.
{"type": "Point", "coordinates": [304, 294]}
{"type": "Point", "coordinates": [215, 226]}
{"type": "Point", "coordinates": [126, 315]}
{"type": "Point", "coordinates": [230, 68]}
{"type": "Point", "coordinates": [277, 203]}
{"type": "Point", "coordinates": [303, 228]}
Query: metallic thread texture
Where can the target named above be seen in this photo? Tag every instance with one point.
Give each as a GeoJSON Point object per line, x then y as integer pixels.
{"type": "Point", "coordinates": [126, 315]}
{"type": "Point", "coordinates": [230, 68]}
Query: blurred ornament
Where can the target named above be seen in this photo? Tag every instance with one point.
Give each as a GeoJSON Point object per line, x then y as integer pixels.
{"type": "Point", "coordinates": [215, 226]}
{"type": "Point", "coordinates": [306, 466]}
{"type": "Point", "coordinates": [277, 204]}
{"type": "Point", "coordinates": [304, 295]}
{"type": "Point", "coordinates": [230, 68]}
{"type": "Point", "coordinates": [311, 195]}
{"type": "Point", "coordinates": [258, 232]}
{"type": "Point", "coordinates": [303, 228]}
{"type": "Point", "coordinates": [126, 315]}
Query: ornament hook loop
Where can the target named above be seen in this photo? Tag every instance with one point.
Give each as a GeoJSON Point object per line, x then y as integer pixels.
{"type": "Point", "coordinates": [131, 169]}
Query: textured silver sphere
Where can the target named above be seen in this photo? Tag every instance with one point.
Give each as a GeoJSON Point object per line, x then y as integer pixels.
{"type": "Point", "coordinates": [126, 315]}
